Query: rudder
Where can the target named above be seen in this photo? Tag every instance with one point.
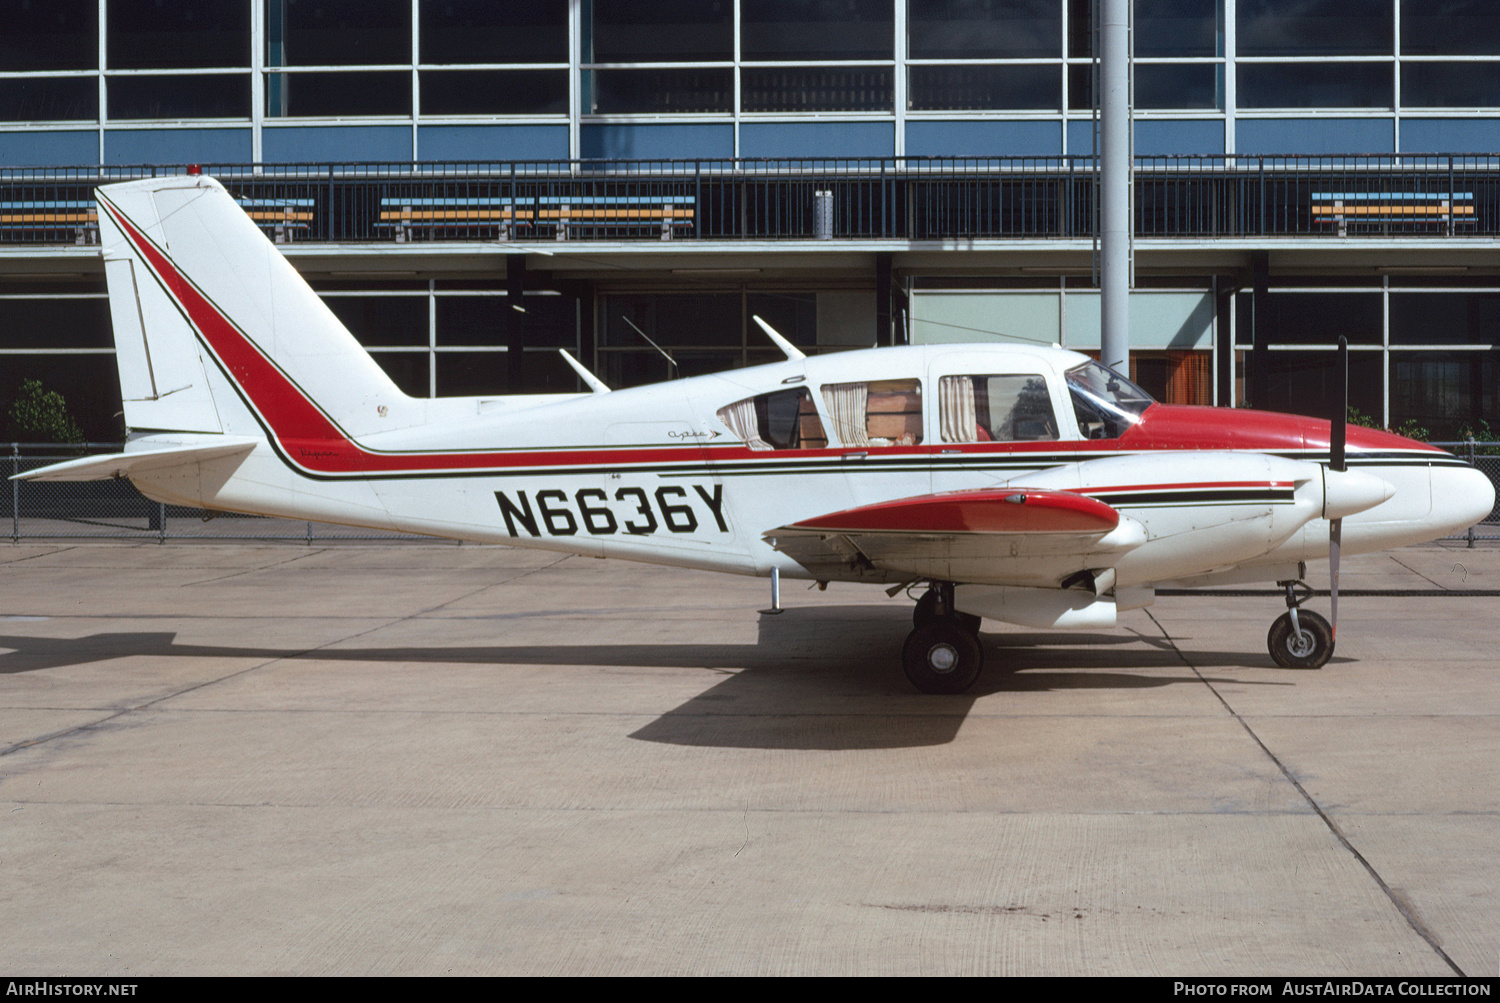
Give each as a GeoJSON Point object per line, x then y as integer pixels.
{"type": "Point", "coordinates": [202, 300]}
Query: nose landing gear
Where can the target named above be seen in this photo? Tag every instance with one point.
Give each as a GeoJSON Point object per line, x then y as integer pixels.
{"type": "Point", "coordinates": [943, 654]}
{"type": "Point", "coordinates": [1299, 638]}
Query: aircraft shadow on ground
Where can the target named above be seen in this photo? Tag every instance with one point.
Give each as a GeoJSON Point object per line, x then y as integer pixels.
{"type": "Point", "coordinates": [819, 677]}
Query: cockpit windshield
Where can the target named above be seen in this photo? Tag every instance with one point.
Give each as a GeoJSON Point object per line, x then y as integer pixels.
{"type": "Point", "coordinates": [1105, 402]}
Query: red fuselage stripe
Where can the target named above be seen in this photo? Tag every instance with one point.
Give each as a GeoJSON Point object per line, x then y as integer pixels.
{"type": "Point", "coordinates": [307, 436]}
{"type": "Point", "coordinates": [311, 440]}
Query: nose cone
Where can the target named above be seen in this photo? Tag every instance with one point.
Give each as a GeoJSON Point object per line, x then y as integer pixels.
{"type": "Point", "coordinates": [1461, 496]}
{"type": "Point", "coordinates": [1346, 492]}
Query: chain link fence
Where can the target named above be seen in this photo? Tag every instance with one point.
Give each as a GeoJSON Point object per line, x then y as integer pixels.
{"type": "Point", "coordinates": [1485, 456]}
{"type": "Point", "coordinates": [115, 510]}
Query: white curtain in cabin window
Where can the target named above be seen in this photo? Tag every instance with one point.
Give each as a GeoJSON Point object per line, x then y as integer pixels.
{"type": "Point", "coordinates": [958, 417]}
{"type": "Point", "coordinates": [740, 417]}
{"type": "Point", "coordinates": [846, 404]}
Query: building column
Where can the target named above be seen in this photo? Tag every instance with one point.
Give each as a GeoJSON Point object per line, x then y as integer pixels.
{"type": "Point", "coordinates": [1224, 343]}
{"type": "Point", "coordinates": [515, 323]}
{"type": "Point", "coordinates": [1257, 382]}
{"type": "Point", "coordinates": [883, 300]}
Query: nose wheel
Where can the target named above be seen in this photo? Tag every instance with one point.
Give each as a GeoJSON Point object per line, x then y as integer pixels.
{"type": "Point", "coordinates": [1299, 638]}
{"type": "Point", "coordinates": [943, 654]}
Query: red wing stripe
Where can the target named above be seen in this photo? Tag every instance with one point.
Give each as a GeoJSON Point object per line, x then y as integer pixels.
{"type": "Point", "coordinates": [1013, 510]}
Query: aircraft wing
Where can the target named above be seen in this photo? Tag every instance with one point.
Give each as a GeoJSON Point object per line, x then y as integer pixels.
{"type": "Point", "coordinates": [1009, 536]}
{"type": "Point", "coordinates": [100, 468]}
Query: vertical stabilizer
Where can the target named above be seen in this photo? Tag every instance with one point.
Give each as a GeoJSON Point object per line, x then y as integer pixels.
{"type": "Point", "coordinates": [162, 380]}
{"type": "Point", "coordinates": [203, 302]}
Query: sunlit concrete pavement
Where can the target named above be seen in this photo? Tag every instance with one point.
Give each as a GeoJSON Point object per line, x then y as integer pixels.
{"type": "Point", "coordinates": [438, 759]}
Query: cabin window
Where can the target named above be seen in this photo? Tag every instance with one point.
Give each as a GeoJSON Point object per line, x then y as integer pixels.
{"type": "Point", "coordinates": [877, 413]}
{"type": "Point", "coordinates": [1105, 403]}
{"type": "Point", "coordinates": [786, 419]}
{"type": "Point", "coordinates": [995, 409]}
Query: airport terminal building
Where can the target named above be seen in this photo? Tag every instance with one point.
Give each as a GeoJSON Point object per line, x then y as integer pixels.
{"type": "Point", "coordinates": [473, 184]}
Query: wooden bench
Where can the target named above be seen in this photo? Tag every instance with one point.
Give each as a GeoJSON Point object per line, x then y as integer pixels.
{"type": "Point", "coordinates": [40, 217]}
{"type": "Point", "coordinates": [1342, 208]}
{"type": "Point", "coordinates": [404, 216]}
{"type": "Point", "coordinates": [279, 217]}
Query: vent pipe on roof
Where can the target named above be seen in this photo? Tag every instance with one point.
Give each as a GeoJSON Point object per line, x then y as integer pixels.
{"type": "Point", "coordinates": [1116, 184]}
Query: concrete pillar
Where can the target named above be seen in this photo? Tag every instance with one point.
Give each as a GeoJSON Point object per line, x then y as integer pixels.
{"type": "Point", "coordinates": [1258, 385]}
{"type": "Point", "coordinates": [515, 323]}
{"type": "Point", "coordinates": [882, 299]}
{"type": "Point", "coordinates": [1115, 184]}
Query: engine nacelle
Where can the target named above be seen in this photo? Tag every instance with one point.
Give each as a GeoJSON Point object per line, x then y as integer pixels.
{"type": "Point", "coordinates": [1229, 508]}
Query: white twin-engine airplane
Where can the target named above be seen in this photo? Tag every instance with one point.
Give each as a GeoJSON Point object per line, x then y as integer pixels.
{"type": "Point", "coordinates": [1024, 484]}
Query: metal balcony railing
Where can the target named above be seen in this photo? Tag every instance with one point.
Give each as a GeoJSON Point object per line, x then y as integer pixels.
{"type": "Point", "coordinates": [897, 198]}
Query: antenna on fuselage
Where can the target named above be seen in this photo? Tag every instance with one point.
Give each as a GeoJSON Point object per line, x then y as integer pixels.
{"type": "Point", "coordinates": [792, 352]}
{"type": "Point", "coordinates": [595, 383]}
{"type": "Point", "coordinates": [653, 344]}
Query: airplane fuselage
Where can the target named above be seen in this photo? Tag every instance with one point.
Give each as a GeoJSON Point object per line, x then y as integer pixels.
{"type": "Point", "coordinates": [655, 474]}
{"type": "Point", "coordinates": [1015, 482]}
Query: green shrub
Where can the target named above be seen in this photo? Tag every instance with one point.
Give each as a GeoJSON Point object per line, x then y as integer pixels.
{"type": "Point", "coordinates": [1487, 437]}
{"type": "Point", "coordinates": [41, 415]}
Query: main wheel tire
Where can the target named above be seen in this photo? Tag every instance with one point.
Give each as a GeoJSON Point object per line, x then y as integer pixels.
{"type": "Point", "coordinates": [1310, 649]}
{"type": "Point", "coordinates": [926, 611]}
{"type": "Point", "coordinates": [942, 657]}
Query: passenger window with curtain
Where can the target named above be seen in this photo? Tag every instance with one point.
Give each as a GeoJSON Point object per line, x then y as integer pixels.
{"type": "Point", "coordinates": [877, 413]}
{"type": "Point", "coordinates": [1009, 408]}
{"type": "Point", "coordinates": [786, 419]}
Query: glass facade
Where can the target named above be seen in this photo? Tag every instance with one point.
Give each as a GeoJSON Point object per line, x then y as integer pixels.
{"type": "Point", "coordinates": [433, 338]}
{"type": "Point", "coordinates": [398, 80]}
{"type": "Point", "coordinates": [1422, 355]}
{"type": "Point", "coordinates": [1220, 76]}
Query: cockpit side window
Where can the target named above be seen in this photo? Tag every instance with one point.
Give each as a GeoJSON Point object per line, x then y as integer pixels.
{"type": "Point", "coordinates": [876, 413]}
{"type": "Point", "coordinates": [999, 408]}
{"type": "Point", "coordinates": [1105, 403]}
{"type": "Point", "coordinates": [786, 419]}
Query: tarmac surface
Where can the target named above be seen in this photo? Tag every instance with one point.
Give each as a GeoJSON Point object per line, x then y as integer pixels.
{"type": "Point", "coordinates": [428, 759]}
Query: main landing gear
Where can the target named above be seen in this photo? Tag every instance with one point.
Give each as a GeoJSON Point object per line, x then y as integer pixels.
{"type": "Point", "coordinates": [1299, 638]}
{"type": "Point", "coordinates": [943, 654]}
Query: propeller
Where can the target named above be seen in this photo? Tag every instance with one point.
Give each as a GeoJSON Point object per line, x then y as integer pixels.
{"type": "Point", "coordinates": [1337, 434]}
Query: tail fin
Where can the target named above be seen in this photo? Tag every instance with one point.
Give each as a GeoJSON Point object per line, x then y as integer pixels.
{"type": "Point", "coordinates": [216, 332]}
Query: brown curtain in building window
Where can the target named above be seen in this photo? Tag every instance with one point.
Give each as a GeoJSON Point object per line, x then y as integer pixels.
{"type": "Point", "coordinates": [1190, 379]}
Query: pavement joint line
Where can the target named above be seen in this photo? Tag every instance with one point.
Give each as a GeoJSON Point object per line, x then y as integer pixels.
{"type": "Point", "coordinates": [45, 553]}
{"type": "Point", "coordinates": [1396, 900]}
{"type": "Point", "coordinates": [731, 810]}
{"type": "Point", "coordinates": [1414, 571]}
{"type": "Point", "coordinates": [91, 725]}
{"type": "Point", "coordinates": [250, 571]}
{"type": "Point", "coordinates": [653, 715]}
{"type": "Point", "coordinates": [1439, 592]}
{"type": "Point", "coordinates": [700, 810]}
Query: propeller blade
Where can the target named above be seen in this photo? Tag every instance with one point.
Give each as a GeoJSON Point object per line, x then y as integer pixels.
{"type": "Point", "coordinates": [1337, 437]}
{"type": "Point", "coordinates": [1338, 432]}
{"type": "Point", "coordinates": [1335, 544]}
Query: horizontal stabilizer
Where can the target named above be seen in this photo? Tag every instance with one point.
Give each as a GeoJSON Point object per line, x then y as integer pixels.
{"type": "Point", "coordinates": [101, 468]}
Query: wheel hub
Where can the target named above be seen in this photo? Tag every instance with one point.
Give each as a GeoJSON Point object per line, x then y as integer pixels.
{"type": "Point", "coordinates": [942, 657]}
{"type": "Point", "coordinates": [1300, 644]}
